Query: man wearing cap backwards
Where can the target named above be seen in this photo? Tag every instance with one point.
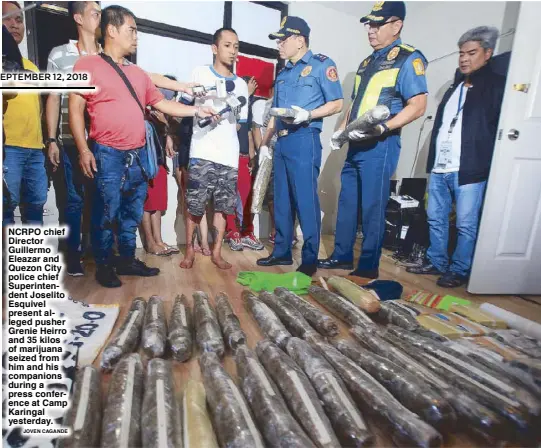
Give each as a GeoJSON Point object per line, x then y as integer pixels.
{"type": "Point", "coordinates": [309, 85]}
{"type": "Point", "coordinates": [393, 75]}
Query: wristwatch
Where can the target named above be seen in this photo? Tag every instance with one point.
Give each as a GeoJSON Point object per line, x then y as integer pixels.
{"type": "Point", "coordinates": [50, 140]}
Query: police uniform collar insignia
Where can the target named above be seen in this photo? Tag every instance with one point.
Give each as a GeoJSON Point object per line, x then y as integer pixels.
{"type": "Point", "coordinates": [321, 57]}
{"type": "Point", "coordinates": [306, 70]}
{"type": "Point", "coordinates": [393, 53]}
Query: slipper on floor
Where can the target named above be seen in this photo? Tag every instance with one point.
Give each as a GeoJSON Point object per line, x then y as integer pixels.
{"type": "Point", "coordinates": [172, 249]}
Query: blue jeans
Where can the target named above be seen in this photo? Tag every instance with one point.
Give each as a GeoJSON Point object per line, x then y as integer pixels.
{"type": "Point", "coordinates": [442, 188]}
{"type": "Point", "coordinates": [120, 192]}
{"type": "Point", "coordinates": [73, 197]}
{"type": "Point", "coordinates": [26, 183]}
{"type": "Point", "coordinates": [297, 160]}
{"type": "Point", "coordinates": [366, 183]}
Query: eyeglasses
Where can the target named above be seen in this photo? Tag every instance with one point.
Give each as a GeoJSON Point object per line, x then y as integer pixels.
{"type": "Point", "coordinates": [377, 26]}
{"type": "Point", "coordinates": [283, 41]}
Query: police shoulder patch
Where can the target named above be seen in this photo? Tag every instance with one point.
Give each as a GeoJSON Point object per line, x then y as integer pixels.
{"type": "Point", "coordinates": [407, 47]}
{"type": "Point", "coordinates": [418, 66]}
{"type": "Point", "coordinates": [332, 74]}
{"type": "Point", "coordinates": [321, 57]}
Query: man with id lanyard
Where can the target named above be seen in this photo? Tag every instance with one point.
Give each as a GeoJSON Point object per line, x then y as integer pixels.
{"type": "Point", "coordinates": [460, 154]}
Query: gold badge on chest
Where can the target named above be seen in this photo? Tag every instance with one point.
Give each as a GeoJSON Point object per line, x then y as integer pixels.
{"type": "Point", "coordinates": [307, 70]}
{"type": "Point", "coordinates": [393, 53]}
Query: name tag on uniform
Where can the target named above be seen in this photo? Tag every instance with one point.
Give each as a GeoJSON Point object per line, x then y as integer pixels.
{"type": "Point", "coordinates": [444, 157]}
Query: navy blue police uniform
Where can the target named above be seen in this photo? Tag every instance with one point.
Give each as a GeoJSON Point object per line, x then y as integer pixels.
{"type": "Point", "coordinates": [309, 83]}
{"type": "Point", "coordinates": [389, 76]}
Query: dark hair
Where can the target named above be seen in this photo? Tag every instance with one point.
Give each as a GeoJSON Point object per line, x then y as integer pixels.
{"type": "Point", "coordinates": [218, 34]}
{"type": "Point", "coordinates": [76, 8]}
{"type": "Point", "coordinates": [307, 41]}
{"type": "Point", "coordinates": [114, 15]}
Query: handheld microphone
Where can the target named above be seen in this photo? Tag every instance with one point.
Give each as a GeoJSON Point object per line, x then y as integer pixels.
{"type": "Point", "coordinates": [222, 88]}
{"type": "Point", "coordinates": [232, 104]}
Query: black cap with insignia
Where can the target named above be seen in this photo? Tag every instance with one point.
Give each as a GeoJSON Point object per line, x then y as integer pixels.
{"type": "Point", "coordinates": [381, 11]}
{"type": "Point", "coordinates": [291, 26]}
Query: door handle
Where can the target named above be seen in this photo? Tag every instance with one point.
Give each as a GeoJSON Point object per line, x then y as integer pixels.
{"type": "Point", "coordinates": [513, 134]}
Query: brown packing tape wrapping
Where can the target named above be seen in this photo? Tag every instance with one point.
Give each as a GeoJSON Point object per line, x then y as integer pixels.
{"type": "Point", "coordinates": [450, 325]}
{"type": "Point", "coordinates": [474, 314]}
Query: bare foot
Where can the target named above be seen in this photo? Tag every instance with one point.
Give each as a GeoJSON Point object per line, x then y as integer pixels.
{"type": "Point", "coordinates": [205, 250]}
{"type": "Point", "coordinates": [189, 257]}
{"type": "Point", "coordinates": [220, 262]}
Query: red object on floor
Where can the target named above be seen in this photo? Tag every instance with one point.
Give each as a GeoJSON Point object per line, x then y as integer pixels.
{"type": "Point", "coordinates": [244, 185]}
{"type": "Point", "coordinates": [263, 72]}
{"type": "Point", "coordinates": [157, 192]}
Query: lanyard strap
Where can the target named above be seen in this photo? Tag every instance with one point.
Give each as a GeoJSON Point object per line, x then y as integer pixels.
{"type": "Point", "coordinates": [459, 109]}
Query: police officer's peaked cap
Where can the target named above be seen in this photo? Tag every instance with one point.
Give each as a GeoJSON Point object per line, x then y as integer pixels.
{"type": "Point", "coordinates": [382, 11]}
{"type": "Point", "coordinates": [291, 26]}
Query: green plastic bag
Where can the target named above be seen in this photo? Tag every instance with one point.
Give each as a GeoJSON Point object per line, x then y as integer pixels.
{"type": "Point", "coordinates": [296, 282]}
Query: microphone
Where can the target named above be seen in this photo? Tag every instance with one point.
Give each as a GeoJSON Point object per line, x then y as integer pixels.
{"type": "Point", "coordinates": [222, 88]}
{"type": "Point", "coordinates": [232, 104]}
{"type": "Point", "coordinates": [429, 117]}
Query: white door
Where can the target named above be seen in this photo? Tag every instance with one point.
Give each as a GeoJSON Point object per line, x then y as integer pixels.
{"type": "Point", "coordinates": [508, 254]}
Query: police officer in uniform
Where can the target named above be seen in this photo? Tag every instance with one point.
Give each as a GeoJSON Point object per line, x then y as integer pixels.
{"type": "Point", "coordinates": [393, 75]}
{"type": "Point", "coordinates": [309, 85]}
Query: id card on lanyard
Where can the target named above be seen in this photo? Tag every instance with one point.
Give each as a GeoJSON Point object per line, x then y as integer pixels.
{"type": "Point", "coordinates": [446, 147]}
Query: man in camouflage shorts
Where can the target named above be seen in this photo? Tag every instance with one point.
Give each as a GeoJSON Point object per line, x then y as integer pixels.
{"type": "Point", "coordinates": [214, 149]}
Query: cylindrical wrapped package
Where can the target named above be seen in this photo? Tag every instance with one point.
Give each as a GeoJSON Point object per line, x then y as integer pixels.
{"type": "Point", "coordinates": [391, 313]}
{"type": "Point", "coordinates": [494, 362]}
{"type": "Point", "coordinates": [514, 412]}
{"type": "Point", "coordinates": [154, 328]}
{"type": "Point", "coordinates": [261, 184]}
{"type": "Point", "coordinates": [84, 415]}
{"type": "Point", "coordinates": [229, 322]}
{"type": "Point", "coordinates": [127, 336]}
{"type": "Point", "coordinates": [233, 422]}
{"type": "Point", "coordinates": [197, 427]}
{"type": "Point", "coordinates": [160, 421]}
{"type": "Point", "coordinates": [365, 123]}
{"type": "Point", "coordinates": [297, 390]}
{"type": "Point", "coordinates": [292, 318]}
{"type": "Point", "coordinates": [525, 326]}
{"type": "Point", "coordinates": [121, 427]}
{"type": "Point", "coordinates": [406, 427]}
{"type": "Point", "coordinates": [181, 330]}
{"type": "Point", "coordinates": [365, 299]}
{"type": "Point", "coordinates": [268, 322]}
{"type": "Point", "coordinates": [347, 421]}
{"type": "Point", "coordinates": [322, 322]}
{"type": "Point", "coordinates": [277, 424]}
{"type": "Point", "coordinates": [339, 306]}
{"type": "Point", "coordinates": [479, 372]}
{"type": "Point", "coordinates": [521, 342]}
{"type": "Point", "coordinates": [473, 416]}
{"type": "Point", "coordinates": [417, 396]}
{"type": "Point", "coordinates": [207, 329]}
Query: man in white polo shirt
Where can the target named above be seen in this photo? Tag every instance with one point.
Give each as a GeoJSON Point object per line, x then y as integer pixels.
{"type": "Point", "coordinates": [214, 151]}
